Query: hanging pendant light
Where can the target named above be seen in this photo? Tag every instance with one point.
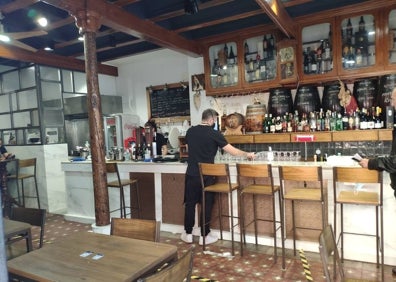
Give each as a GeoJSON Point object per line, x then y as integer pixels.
{"type": "Point", "coordinates": [190, 7]}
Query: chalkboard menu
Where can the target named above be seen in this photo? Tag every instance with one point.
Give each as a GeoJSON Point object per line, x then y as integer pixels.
{"type": "Point", "coordinates": [169, 101]}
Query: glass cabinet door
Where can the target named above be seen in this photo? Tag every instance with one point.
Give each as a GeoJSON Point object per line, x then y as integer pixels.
{"type": "Point", "coordinates": [392, 37]}
{"type": "Point", "coordinates": [223, 65]}
{"type": "Point", "coordinates": [317, 49]}
{"type": "Point", "coordinates": [260, 58]}
{"type": "Point", "coordinates": [358, 42]}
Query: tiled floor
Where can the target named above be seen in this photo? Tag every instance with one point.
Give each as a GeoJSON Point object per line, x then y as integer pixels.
{"type": "Point", "coordinates": [257, 264]}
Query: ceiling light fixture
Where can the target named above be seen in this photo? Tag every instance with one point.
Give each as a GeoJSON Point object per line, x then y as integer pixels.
{"type": "Point", "coordinates": [191, 7]}
{"type": "Point", "coordinates": [42, 21]}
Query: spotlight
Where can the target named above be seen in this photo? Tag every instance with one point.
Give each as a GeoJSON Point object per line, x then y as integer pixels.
{"type": "Point", "coordinates": [190, 7]}
{"type": "Point", "coordinates": [166, 87]}
{"type": "Point", "coordinates": [183, 85]}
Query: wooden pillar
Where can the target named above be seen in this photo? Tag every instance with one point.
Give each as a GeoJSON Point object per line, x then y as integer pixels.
{"type": "Point", "coordinates": [88, 23]}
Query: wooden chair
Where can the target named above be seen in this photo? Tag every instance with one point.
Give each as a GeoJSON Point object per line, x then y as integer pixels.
{"type": "Point", "coordinates": [142, 229]}
{"type": "Point", "coordinates": [359, 186]}
{"type": "Point", "coordinates": [259, 183]}
{"type": "Point", "coordinates": [178, 271]}
{"type": "Point", "coordinates": [25, 169]}
{"type": "Point", "coordinates": [112, 171]}
{"type": "Point", "coordinates": [35, 217]}
{"type": "Point", "coordinates": [222, 171]}
{"type": "Point", "coordinates": [302, 184]}
{"type": "Point", "coordinates": [330, 257]}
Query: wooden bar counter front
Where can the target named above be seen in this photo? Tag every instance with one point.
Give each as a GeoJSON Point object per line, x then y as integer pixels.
{"type": "Point", "coordinates": [163, 200]}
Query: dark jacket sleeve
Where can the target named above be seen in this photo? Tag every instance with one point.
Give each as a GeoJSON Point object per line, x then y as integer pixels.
{"type": "Point", "coordinates": [387, 164]}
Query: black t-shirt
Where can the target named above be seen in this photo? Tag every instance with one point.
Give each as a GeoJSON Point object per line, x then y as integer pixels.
{"type": "Point", "coordinates": [203, 142]}
{"type": "Point", "coordinates": [160, 140]}
{"type": "Point", "coordinates": [3, 149]}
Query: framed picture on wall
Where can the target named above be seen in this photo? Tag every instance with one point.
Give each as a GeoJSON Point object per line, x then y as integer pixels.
{"type": "Point", "coordinates": [198, 82]}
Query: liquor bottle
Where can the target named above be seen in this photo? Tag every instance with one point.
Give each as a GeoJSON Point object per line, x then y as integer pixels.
{"type": "Point", "coordinates": [333, 121]}
{"type": "Point", "coordinates": [266, 124]}
{"type": "Point", "coordinates": [339, 125]}
{"type": "Point", "coordinates": [278, 125]}
{"type": "Point", "coordinates": [379, 123]}
{"type": "Point", "coordinates": [231, 57]}
{"type": "Point", "coordinates": [265, 48]}
{"type": "Point", "coordinates": [363, 119]}
{"type": "Point", "coordinates": [349, 32]}
{"type": "Point", "coordinates": [357, 119]}
{"type": "Point", "coordinates": [371, 119]}
{"type": "Point", "coordinates": [306, 61]}
{"type": "Point", "coordinates": [361, 37]}
{"type": "Point", "coordinates": [246, 51]}
{"type": "Point", "coordinates": [312, 121]}
{"type": "Point", "coordinates": [272, 124]}
{"type": "Point", "coordinates": [345, 121]}
{"type": "Point", "coordinates": [225, 51]}
{"type": "Point", "coordinates": [327, 121]}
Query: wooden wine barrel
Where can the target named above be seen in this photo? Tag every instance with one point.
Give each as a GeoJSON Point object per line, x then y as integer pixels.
{"type": "Point", "coordinates": [307, 99]}
{"type": "Point", "coordinates": [280, 101]}
{"type": "Point", "coordinates": [386, 85]}
{"type": "Point", "coordinates": [330, 100]}
{"type": "Point", "coordinates": [365, 92]}
{"type": "Point", "coordinates": [254, 118]}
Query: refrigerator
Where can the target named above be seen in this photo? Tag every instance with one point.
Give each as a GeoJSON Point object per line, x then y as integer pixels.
{"type": "Point", "coordinates": [119, 130]}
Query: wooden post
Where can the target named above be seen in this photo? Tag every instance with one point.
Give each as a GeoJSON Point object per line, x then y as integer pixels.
{"type": "Point", "coordinates": [89, 22]}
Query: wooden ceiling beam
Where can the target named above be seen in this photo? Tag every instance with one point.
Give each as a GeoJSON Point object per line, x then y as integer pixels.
{"type": "Point", "coordinates": [118, 19]}
{"type": "Point", "coordinates": [43, 58]}
{"type": "Point", "coordinates": [16, 5]}
{"type": "Point", "coordinates": [279, 16]}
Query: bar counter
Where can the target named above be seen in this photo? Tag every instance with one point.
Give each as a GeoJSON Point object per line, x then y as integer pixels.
{"type": "Point", "coordinates": [166, 180]}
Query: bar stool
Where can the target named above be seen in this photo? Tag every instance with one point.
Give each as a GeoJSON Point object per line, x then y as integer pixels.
{"type": "Point", "coordinates": [301, 184]}
{"type": "Point", "coordinates": [25, 169]}
{"type": "Point", "coordinates": [259, 183]}
{"type": "Point", "coordinates": [221, 171]}
{"type": "Point", "coordinates": [112, 169]}
{"type": "Point", "coordinates": [347, 188]}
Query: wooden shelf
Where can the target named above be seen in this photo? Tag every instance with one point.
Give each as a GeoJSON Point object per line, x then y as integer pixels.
{"type": "Point", "coordinates": [320, 136]}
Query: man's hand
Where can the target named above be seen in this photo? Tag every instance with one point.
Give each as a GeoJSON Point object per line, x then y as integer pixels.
{"type": "Point", "coordinates": [364, 163]}
{"type": "Point", "coordinates": [250, 156]}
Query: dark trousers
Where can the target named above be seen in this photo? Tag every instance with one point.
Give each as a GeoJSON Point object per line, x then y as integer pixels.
{"type": "Point", "coordinates": [193, 196]}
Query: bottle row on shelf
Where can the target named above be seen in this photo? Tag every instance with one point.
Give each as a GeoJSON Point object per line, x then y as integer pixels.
{"type": "Point", "coordinates": [324, 121]}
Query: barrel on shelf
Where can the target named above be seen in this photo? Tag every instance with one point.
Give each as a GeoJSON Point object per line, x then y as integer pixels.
{"type": "Point", "coordinates": [330, 99]}
{"type": "Point", "coordinates": [386, 86]}
{"type": "Point", "coordinates": [280, 101]}
{"type": "Point", "coordinates": [365, 92]}
{"type": "Point", "coordinates": [307, 99]}
{"type": "Point", "coordinates": [254, 118]}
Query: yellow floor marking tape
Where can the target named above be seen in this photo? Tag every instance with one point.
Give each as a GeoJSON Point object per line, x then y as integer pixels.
{"type": "Point", "coordinates": [305, 265]}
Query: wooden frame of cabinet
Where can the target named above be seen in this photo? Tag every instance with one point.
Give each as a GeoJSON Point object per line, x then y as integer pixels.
{"type": "Point", "coordinates": [384, 21]}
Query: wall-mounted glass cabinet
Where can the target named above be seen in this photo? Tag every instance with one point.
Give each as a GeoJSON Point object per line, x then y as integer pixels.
{"type": "Point", "coordinates": [224, 65]}
{"type": "Point", "coordinates": [317, 46]}
{"type": "Point", "coordinates": [260, 58]}
{"type": "Point", "coordinates": [358, 42]}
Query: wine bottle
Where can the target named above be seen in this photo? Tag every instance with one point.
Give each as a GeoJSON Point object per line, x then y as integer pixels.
{"type": "Point", "coordinates": [231, 57]}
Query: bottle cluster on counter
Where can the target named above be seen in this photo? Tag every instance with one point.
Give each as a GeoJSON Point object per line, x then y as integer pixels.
{"type": "Point", "coordinates": [324, 121]}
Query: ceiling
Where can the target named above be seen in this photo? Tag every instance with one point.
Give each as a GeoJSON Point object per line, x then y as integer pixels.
{"type": "Point", "coordinates": [131, 27]}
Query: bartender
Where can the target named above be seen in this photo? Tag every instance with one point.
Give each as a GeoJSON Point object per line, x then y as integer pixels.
{"type": "Point", "coordinates": [157, 137]}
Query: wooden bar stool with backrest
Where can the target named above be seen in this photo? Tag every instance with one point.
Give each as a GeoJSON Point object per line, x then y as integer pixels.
{"type": "Point", "coordinates": [301, 184]}
{"type": "Point", "coordinates": [25, 169]}
{"type": "Point", "coordinates": [359, 186]}
{"type": "Point", "coordinates": [257, 180]}
{"type": "Point", "coordinates": [112, 170]}
{"type": "Point", "coordinates": [220, 171]}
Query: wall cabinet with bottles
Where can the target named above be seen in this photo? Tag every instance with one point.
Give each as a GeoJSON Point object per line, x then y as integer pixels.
{"type": "Point", "coordinates": [260, 58]}
{"type": "Point", "coordinates": [317, 56]}
{"type": "Point", "coordinates": [392, 37]}
{"type": "Point", "coordinates": [223, 65]}
{"type": "Point", "coordinates": [358, 42]}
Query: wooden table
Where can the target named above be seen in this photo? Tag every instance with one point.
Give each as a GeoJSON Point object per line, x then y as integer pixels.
{"type": "Point", "coordinates": [13, 228]}
{"type": "Point", "coordinates": [124, 259]}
